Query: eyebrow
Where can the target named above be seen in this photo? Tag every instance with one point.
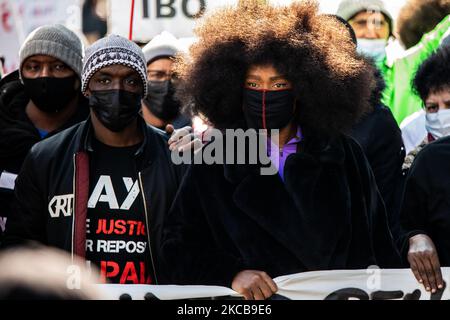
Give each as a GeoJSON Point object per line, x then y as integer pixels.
{"type": "Point", "coordinates": [51, 60]}
{"type": "Point", "coordinates": [156, 70]}
{"type": "Point", "coordinates": [379, 18]}
{"type": "Point", "coordinates": [359, 20]}
{"type": "Point", "coordinates": [433, 104]}
{"type": "Point", "coordinates": [252, 76]}
{"type": "Point", "coordinates": [278, 78]}
{"type": "Point", "coordinates": [111, 73]}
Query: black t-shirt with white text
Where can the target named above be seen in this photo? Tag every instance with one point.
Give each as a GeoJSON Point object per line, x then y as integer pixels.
{"type": "Point", "coordinates": [116, 231]}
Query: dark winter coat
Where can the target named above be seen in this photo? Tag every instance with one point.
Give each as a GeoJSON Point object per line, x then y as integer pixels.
{"type": "Point", "coordinates": [327, 215]}
{"type": "Point", "coordinates": [381, 140]}
{"type": "Point", "coordinates": [426, 200]}
{"type": "Point", "coordinates": [18, 134]}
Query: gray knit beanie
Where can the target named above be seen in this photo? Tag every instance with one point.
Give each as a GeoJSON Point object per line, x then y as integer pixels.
{"type": "Point", "coordinates": [112, 50]}
{"type": "Point", "coordinates": [56, 41]}
{"type": "Point", "coordinates": [348, 8]}
{"type": "Point", "coordinates": [163, 45]}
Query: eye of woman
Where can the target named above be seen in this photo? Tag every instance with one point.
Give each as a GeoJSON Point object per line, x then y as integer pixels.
{"type": "Point", "coordinates": [432, 108]}
{"type": "Point", "coordinates": [251, 84]}
{"type": "Point", "coordinates": [280, 85]}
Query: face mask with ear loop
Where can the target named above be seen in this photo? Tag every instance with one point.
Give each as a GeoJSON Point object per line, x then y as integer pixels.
{"type": "Point", "coordinates": [374, 48]}
{"type": "Point", "coordinates": [438, 123]}
{"type": "Point", "coordinates": [51, 94]}
{"type": "Point", "coordinates": [267, 109]}
{"type": "Point", "coordinates": [115, 109]}
{"type": "Point", "coordinates": [161, 101]}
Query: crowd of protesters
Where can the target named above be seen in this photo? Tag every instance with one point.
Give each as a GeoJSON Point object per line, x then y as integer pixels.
{"type": "Point", "coordinates": [87, 142]}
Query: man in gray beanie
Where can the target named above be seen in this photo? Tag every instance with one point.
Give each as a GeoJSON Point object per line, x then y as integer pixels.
{"type": "Point", "coordinates": [371, 22]}
{"type": "Point", "coordinates": [159, 106]}
{"type": "Point", "coordinates": [50, 66]}
{"type": "Point", "coordinates": [101, 189]}
{"type": "Point", "coordinates": [38, 100]}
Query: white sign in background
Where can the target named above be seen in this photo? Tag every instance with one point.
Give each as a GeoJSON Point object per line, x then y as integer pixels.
{"type": "Point", "coordinates": [9, 37]}
{"type": "Point", "coordinates": [20, 17]}
{"type": "Point", "coordinates": [370, 284]}
{"type": "Point", "coordinates": [151, 17]}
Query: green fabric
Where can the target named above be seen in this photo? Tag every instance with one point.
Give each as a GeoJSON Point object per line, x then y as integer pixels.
{"type": "Point", "coordinates": [399, 95]}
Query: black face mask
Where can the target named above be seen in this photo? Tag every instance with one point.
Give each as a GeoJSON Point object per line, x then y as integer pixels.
{"type": "Point", "coordinates": [115, 109]}
{"type": "Point", "coordinates": [51, 94]}
{"type": "Point", "coordinates": [268, 109]}
{"type": "Point", "coordinates": [160, 100]}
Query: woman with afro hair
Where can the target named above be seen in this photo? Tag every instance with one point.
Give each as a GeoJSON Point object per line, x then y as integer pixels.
{"type": "Point", "coordinates": [287, 68]}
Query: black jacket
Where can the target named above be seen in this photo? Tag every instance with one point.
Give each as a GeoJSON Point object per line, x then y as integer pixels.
{"type": "Point", "coordinates": [426, 200]}
{"type": "Point", "coordinates": [59, 167]}
{"type": "Point", "coordinates": [327, 215]}
{"type": "Point", "coordinates": [18, 134]}
{"type": "Point", "coordinates": [381, 140]}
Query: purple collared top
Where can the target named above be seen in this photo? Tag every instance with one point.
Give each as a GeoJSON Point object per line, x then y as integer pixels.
{"type": "Point", "coordinates": [279, 158]}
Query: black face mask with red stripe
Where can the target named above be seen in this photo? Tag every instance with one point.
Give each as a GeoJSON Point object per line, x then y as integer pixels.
{"type": "Point", "coordinates": [267, 109]}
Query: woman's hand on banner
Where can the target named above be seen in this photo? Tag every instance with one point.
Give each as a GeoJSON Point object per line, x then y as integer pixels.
{"type": "Point", "coordinates": [424, 262]}
{"type": "Point", "coordinates": [254, 285]}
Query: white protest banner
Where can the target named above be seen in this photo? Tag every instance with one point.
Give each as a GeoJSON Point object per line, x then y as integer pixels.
{"type": "Point", "coordinates": [20, 17]}
{"type": "Point", "coordinates": [151, 17]}
{"type": "Point", "coordinates": [370, 284]}
{"type": "Point", "coordinates": [37, 13]}
{"type": "Point", "coordinates": [10, 36]}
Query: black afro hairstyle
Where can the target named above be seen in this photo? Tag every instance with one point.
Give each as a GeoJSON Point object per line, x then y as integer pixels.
{"type": "Point", "coordinates": [315, 53]}
{"type": "Point", "coordinates": [433, 74]}
{"type": "Point", "coordinates": [347, 26]}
